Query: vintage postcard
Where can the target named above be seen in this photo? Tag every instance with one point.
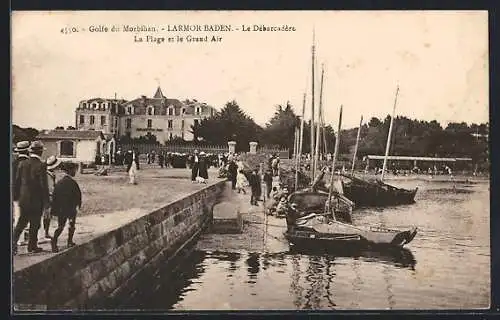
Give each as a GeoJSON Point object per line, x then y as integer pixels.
{"type": "Point", "coordinates": [244, 160]}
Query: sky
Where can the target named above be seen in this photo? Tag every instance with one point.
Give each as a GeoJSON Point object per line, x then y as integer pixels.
{"type": "Point", "coordinates": [439, 60]}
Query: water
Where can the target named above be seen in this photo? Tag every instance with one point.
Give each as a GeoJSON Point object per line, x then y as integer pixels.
{"type": "Point", "coordinates": [447, 266]}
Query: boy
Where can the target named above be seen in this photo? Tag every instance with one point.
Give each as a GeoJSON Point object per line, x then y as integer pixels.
{"type": "Point", "coordinates": [66, 199]}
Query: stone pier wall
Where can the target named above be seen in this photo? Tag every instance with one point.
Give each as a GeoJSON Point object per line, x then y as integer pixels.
{"type": "Point", "coordinates": [94, 274]}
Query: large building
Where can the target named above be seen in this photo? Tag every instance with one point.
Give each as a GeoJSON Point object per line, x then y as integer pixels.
{"type": "Point", "coordinates": [163, 117]}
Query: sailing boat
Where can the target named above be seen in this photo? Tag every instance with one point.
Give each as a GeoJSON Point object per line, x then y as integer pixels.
{"type": "Point", "coordinates": [366, 193]}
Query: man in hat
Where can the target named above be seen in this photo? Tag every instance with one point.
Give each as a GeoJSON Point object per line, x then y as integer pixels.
{"type": "Point", "coordinates": [32, 192]}
{"type": "Point", "coordinates": [52, 164]}
{"type": "Point", "coordinates": [21, 154]}
{"type": "Point", "coordinates": [203, 166]}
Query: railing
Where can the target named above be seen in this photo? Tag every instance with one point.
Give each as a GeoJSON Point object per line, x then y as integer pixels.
{"type": "Point", "coordinates": [146, 148]}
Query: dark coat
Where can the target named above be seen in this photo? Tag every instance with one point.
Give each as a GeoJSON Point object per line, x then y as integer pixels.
{"type": "Point", "coordinates": [15, 165]}
{"type": "Point", "coordinates": [203, 167]}
{"type": "Point", "coordinates": [254, 181]}
{"type": "Point", "coordinates": [66, 198]}
{"type": "Point", "coordinates": [268, 178]}
{"type": "Point", "coordinates": [31, 188]}
{"type": "Point", "coordinates": [232, 168]}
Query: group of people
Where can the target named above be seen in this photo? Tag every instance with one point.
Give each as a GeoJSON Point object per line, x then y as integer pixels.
{"type": "Point", "coordinates": [37, 195]}
{"type": "Point", "coordinates": [198, 163]}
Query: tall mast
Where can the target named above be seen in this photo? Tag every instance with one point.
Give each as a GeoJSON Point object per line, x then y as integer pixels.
{"type": "Point", "coordinates": [389, 135]}
{"type": "Point", "coordinates": [301, 142]}
{"type": "Point", "coordinates": [335, 152]}
{"type": "Point", "coordinates": [357, 144]}
{"type": "Point", "coordinates": [313, 50]}
{"type": "Point", "coordinates": [318, 124]}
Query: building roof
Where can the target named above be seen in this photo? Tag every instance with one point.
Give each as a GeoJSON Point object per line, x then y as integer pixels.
{"type": "Point", "coordinates": [69, 134]}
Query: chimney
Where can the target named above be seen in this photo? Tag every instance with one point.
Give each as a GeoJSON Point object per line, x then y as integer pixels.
{"type": "Point", "coordinates": [115, 95]}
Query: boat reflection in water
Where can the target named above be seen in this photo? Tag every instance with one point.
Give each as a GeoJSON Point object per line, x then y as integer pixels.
{"type": "Point", "coordinates": [396, 256]}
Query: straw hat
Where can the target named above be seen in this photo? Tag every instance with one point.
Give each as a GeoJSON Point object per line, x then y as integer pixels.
{"type": "Point", "coordinates": [37, 145]}
{"type": "Point", "coordinates": [22, 146]}
{"type": "Point", "coordinates": [52, 162]}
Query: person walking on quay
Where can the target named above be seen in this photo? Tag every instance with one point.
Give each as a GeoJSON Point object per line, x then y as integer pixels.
{"type": "Point", "coordinates": [233, 171]}
{"type": "Point", "coordinates": [128, 159]}
{"type": "Point", "coordinates": [66, 201]}
{"type": "Point", "coordinates": [52, 164]}
{"type": "Point", "coordinates": [275, 165]}
{"type": "Point", "coordinates": [32, 192]}
{"type": "Point", "coordinates": [132, 173]}
{"type": "Point", "coordinates": [268, 180]}
{"type": "Point", "coordinates": [241, 182]}
{"type": "Point", "coordinates": [255, 187]}
{"type": "Point", "coordinates": [161, 159]}
{"type": "Point", "coordinates": [194, 165]}
{"type": "Point", "coordinates": [203, 166]}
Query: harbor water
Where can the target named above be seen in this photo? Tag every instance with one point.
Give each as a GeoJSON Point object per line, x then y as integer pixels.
{"type": "Point", "coordinates": [447, 266]}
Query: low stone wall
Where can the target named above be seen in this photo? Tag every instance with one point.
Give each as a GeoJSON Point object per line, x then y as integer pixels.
{"type": "Point", "coordinates": [97, 273]}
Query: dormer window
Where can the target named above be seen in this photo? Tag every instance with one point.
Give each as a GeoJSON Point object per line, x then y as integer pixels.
{"type": "Point", "coordinates": [94, 105]}
{"type": "Point", "coordinates": [150, 111]}
{"type": "Point", "coordinates": [84, 104]}
{"type": "Point", "coordinates": [198, 110]}
{"type": "Point", "coordinates": [129, 110]}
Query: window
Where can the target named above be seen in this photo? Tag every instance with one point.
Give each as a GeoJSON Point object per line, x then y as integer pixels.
{"type": "Point", "coordinates": [103, 120]}
{"type": "Point", "coordinates": [93, 105]}
{"type": "Point", "coordinates": [150, 111]}
{"type": "Point", "coordinates": [85, 105]}
{"type": "Point", "coordinates": [183, 111]}
{"type": "Point", "coordinates": [170, 136]}
{"type": "Point", "coordinates": [170, 124]}
{"type": "Point", "coordinates": [198, 110]}
{"type": "Point", "coordinates": [129, 110]}
{"type": "Point", "coordinates": [116, 123]}
{"type": "Point", "coordinates": [66, 148]}
{"type": "Point", "coordinates": [150, 123]}
{"type": "Point", "coordinates": [182, 124]}
{"type": "Point", "coordinates": [196, 122]}
{"type": "Point", "coordinates": [92, 119]}
{"type": "Point", "coordinates": [129, 123]}
{"type": "Point", "coordinates": [82, 119]}
{"type": "Point", "coordinates": [170, 111]}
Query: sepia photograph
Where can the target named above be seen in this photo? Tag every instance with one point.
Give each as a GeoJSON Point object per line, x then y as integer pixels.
{"type": "Point", "coordinates": [250, 160]}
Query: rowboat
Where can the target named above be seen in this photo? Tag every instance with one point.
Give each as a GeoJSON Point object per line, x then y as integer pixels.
{"type": "Point", "coordinates": [319, 231]}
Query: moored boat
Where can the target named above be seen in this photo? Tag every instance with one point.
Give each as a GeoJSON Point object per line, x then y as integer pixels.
{"type": "Point", "coordinates": [318, 231]}
{"type": "Point", "coordinates": [377, 193]}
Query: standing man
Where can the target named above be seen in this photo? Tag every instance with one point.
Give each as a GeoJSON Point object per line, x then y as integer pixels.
{"type": "Point", "coordinates": [194, 165]}
{"type": "Point", "coordinates": [233, 172]}
{"type": "Point", "coordinates": [268, 179]}
{"type": "Point", "coordinates": [52, 164]}
{"type": "Point", "coordinates": [22, 151]}
{"type": "Point", "coordinates": [255, 187]}
{"type": "Point", "coordinates": [32, 192]}
{"type": "Point", "coordinates": [203, 166]}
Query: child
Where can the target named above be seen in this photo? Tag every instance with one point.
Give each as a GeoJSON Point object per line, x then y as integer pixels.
{"type": "Point", "coordinates": [132, 173]}
{"type": "Point", "coordinates": [66, 200]}
{"type": "Point", "coordinates": [241, 182]}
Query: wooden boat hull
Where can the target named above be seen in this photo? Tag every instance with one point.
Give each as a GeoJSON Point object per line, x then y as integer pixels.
{"type": "Point", "coordinates": [365, 194]}
{"type": "Point", "coordinates": [311, 201]}
{"type": "Point", "coordinates": [338, 235]}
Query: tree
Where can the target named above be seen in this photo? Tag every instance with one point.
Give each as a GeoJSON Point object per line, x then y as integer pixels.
{"type": "Point", "coordinates": [70, 128]}
{"type": "Point", "coordinates": [59, 128]}
{"type": "Point", "coordinates": [230, 123]}
{"type": "Point", "coordinates": [280, 130]}
{"type": "Point", "coordinates": [23, 134]}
